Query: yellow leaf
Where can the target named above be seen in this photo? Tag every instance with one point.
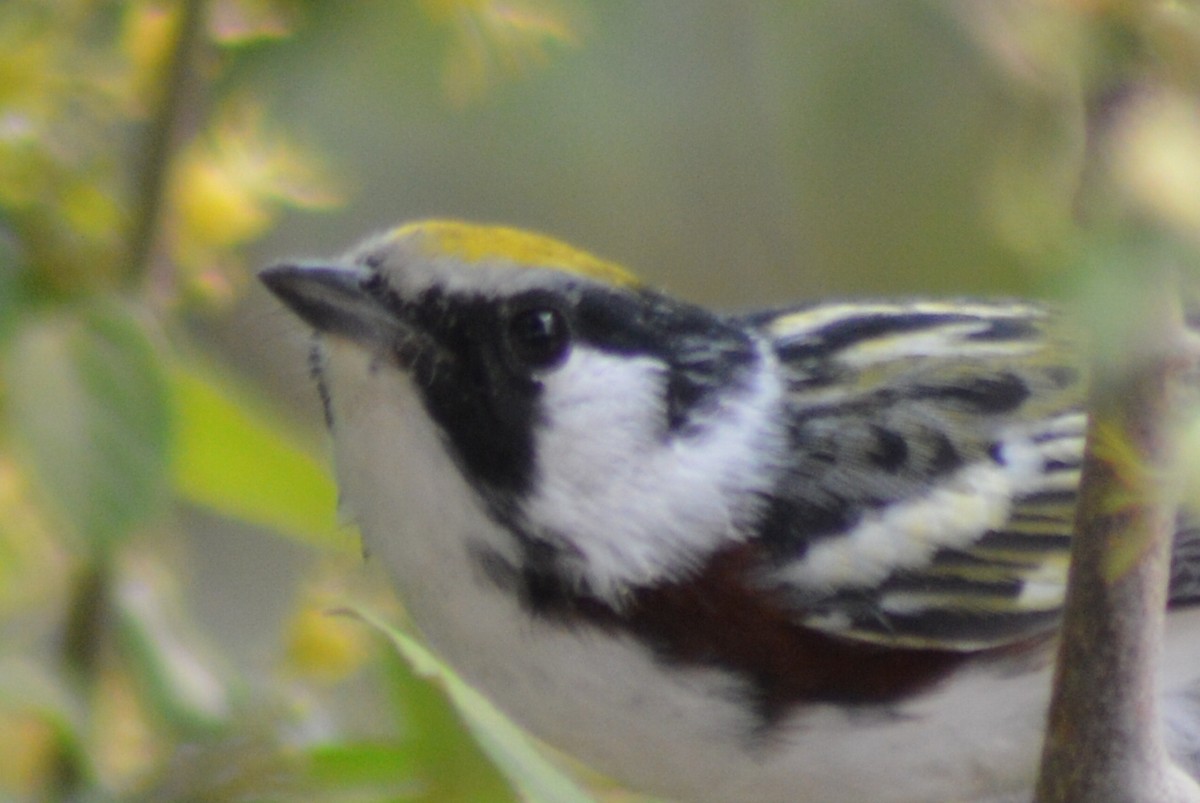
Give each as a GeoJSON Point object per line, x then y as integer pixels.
{"type": "Point", "coordinates": [236, 461]}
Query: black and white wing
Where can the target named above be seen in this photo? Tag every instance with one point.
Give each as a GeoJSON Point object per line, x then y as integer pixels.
{"type": "Point", "coordinates": [937, 449]}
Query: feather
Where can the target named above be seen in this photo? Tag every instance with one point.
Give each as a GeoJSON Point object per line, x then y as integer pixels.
{"type": "Point", "coordinates": [948, 438]}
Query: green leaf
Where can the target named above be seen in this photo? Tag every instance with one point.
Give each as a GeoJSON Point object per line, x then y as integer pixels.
{"type": "Point", "coordinates": [174, 671]}
{"type": "Point", "coordinates": [12, 294]}
{"type": "Point", "coordinates": [380, 768]}
{"type": "Point", "coordinates": [232, 459]}
{"type": "Point", "coordinates": [33, 688]}
{"type": "Point", "coordinates": [534, 777]}
{"type": "Point", "coordinates": [445, 756]}
{"type": "Point", "coordinates": [88, 407]}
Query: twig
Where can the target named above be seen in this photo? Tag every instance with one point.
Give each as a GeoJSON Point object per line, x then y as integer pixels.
{"type": "Point", "coordinates": [161, 136]}
{"type": "Point", "coordinates": [1104, 739]}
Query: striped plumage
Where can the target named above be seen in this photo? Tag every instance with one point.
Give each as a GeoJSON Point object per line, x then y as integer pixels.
{"type": "Point", "coordinates": [900, 411]}
{"type": "Point", "coordinates": [967, 383]}
{"type": "Point", "coordinates": [721, 557]}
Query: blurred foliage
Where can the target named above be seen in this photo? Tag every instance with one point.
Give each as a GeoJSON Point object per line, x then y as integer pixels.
{"type": "Point", "coordinates": [491, 41]}
{"type": "Point", "coordinates": [146, 145]}
{"type": "Point", "coordinates": [131, 176]}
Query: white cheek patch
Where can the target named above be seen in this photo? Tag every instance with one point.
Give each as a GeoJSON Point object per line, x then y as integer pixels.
{"type": "Point", "coordinates": [640, 504]}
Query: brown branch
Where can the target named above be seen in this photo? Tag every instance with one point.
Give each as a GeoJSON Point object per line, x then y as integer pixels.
{"type": "Point", "coordinates": [161, 137]}
{"type": "Point", "coordinates": [1104, 739]}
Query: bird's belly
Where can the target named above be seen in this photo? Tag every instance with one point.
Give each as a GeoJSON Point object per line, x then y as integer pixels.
{"type": "Point", "coordinates": [681, 732]}
{"type": "Point", "coordinates": [691, 734]}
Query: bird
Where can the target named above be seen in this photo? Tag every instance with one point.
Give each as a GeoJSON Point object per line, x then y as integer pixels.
{"type": "Point", "coordinates": [809, 553]}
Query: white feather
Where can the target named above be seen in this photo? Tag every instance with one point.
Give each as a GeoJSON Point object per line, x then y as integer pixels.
{"type": "Point", "coordinates": [641, 505]}
{"type": "Point", "coordinates": [903, 535]}
{"type": "Point", "coordinates": [806, 322]}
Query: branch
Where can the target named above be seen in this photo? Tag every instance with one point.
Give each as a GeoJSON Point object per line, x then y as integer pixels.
{"type": "Point", "coordinates": [1104, 739]}
{"type": "Point", "coordinates": [162, 136]}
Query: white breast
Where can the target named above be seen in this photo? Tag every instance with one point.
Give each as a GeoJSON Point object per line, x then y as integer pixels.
{"type": "Point", "coordinates": [679, 733]}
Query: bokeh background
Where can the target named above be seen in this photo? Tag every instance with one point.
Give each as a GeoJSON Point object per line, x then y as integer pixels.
{"type": "Point", "coordinates": [169, 558]}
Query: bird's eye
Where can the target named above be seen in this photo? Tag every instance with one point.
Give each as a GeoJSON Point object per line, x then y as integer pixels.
{"type": "Point", "coordinates": [539, 337]}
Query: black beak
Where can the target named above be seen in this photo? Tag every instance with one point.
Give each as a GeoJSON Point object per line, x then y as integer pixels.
{"type": "Point", "coordinates": [333, 300]}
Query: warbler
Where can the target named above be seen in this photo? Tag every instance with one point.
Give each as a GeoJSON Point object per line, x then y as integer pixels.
{"type": "Point", "coordinates": [815, 553]}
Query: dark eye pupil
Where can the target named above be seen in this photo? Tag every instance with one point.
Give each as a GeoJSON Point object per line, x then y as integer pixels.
{"type": "Point", "coordinates": [539, 337]}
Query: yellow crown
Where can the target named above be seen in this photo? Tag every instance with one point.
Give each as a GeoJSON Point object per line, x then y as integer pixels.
{"type": "Point", "coordinates": [475, 243]}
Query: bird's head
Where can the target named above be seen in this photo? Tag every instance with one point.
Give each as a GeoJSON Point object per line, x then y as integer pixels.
{"type": "Point", "coordinates": [603, 422]}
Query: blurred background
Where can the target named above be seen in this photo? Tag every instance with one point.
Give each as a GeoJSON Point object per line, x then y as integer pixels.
{"type": "Point", "coordinates": [169, 556]}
